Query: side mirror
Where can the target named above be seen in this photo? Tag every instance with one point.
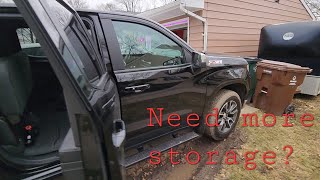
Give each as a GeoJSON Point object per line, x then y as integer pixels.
{"type": "Point", "coordinates": [199, 59]}
{"type": "Point", "coordinates": [195, 55]}
{"type": "Point", "coordinates": [196, 59]}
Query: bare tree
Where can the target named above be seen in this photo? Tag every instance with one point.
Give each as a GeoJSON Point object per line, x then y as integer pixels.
{"type": "Point", "coordinates": [78, 3]}
{"type": "Point", "coordinates": [131, 5]}
{"type": "Point", "coordinates": [107, 7]}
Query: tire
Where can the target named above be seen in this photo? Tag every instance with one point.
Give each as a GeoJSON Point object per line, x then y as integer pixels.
{"type": "Point", "coordinates": [222, 101]}
{"type": "Point", "coordinates": [290, 109]}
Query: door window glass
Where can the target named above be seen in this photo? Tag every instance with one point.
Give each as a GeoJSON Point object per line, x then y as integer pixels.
{"type": "Point", "coordinates": [29, 43]}
{"type": "Point", "coordinates": [26, 36]}
{"type": "Point", "coordinates": [144, 47]}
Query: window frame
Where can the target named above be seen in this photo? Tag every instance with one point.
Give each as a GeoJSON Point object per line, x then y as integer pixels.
{"type": "Point", "coordinates": [119, 67]}
{"type": "Point", "coordinates": [90, 22]}
{"type": "Point", "coordinates": [62, 34]}
{"type": "Point", "coordinates": [85, 39]}
{"type": "Point", "coordinates": [93, 19]}
{"type": "Point", "coordinates": [92, 59]}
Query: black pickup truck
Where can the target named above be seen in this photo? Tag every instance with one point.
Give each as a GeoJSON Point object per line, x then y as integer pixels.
{"type": "Point", "coordinates": [78, 88]}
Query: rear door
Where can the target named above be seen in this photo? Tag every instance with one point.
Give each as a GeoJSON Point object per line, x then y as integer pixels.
{"type": "Point", "coordinates": [92, 148]}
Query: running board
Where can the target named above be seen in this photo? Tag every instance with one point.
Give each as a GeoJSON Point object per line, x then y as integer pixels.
{"type": "Point", "coordinates": [162, 147]}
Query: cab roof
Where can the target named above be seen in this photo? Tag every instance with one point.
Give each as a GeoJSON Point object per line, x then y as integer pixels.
{"type": "Point", "coordinates": [12, 8]}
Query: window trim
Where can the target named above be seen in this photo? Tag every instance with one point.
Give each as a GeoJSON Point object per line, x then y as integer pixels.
{"type": "Point", "coordinates": [85, 43]}
{"type": "Point", "coordinates": [183, 49]}
{"type": "Point", "coordinates": [160, 68]}
{"type": "Point", "coordinates": [90, 22]}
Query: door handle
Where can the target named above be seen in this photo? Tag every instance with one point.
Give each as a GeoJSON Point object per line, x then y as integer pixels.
{"type": "Point", "coordinates": [119, 132]}
{"type": "Point", "coordinates": [137, 89]}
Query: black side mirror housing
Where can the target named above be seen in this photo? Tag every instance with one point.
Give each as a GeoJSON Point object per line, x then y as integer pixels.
{"type": "Point", "coordinates": [196, 59]}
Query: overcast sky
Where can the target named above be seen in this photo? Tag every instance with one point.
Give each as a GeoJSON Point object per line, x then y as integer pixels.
{"type": "Point", "coordinates": [94, 3]}
{"type": "Point", "coordinates": [147, 4]}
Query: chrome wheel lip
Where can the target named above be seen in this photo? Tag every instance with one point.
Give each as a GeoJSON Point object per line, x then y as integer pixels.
{"type": "Point", "coordinates": [227, 116]}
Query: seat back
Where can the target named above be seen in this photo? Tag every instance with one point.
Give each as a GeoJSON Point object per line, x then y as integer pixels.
{"type": "Point", "coordinates": [15, 84]}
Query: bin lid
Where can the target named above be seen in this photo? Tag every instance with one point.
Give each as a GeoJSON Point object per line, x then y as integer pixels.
{"type": "Point", "coordinates": [282, 66]}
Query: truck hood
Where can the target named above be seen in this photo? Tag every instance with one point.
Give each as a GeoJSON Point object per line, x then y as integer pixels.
{"type": "Point", "coordinates": [216, 60]}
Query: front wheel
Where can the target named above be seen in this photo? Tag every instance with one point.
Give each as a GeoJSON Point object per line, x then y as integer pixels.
{"type": "Point", "coordinates": [229, 106]}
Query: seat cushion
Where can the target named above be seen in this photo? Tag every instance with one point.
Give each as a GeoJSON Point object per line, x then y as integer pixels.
{"type": "Point", "coordinates": [15, 83]}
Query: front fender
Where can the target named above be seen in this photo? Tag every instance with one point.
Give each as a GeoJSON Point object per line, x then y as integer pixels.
{"type": "Point", "coordinates": [220, 78]}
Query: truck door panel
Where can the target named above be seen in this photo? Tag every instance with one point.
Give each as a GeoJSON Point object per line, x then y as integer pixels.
{"type": "Point", "coordinates": [152, 71]}
{"type": "Point", "coordinates": [90, 91]}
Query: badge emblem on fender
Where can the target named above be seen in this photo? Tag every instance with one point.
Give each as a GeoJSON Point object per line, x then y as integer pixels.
{"type": "Point", "coordinates": [288, 36]}
{"type": "Point", "coordinates": [214, 62]}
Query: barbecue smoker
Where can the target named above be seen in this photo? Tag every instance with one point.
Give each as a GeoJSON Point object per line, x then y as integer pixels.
{"type": "Point", "coordinates": [296, 43]}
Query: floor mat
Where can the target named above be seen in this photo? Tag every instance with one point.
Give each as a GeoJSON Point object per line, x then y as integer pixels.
{"type": "Point", "coordinates": [53, 126]}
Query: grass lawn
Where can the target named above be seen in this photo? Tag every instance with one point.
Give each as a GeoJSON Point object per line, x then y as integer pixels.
{"type": "Point", "coordinates": [304, 162]}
